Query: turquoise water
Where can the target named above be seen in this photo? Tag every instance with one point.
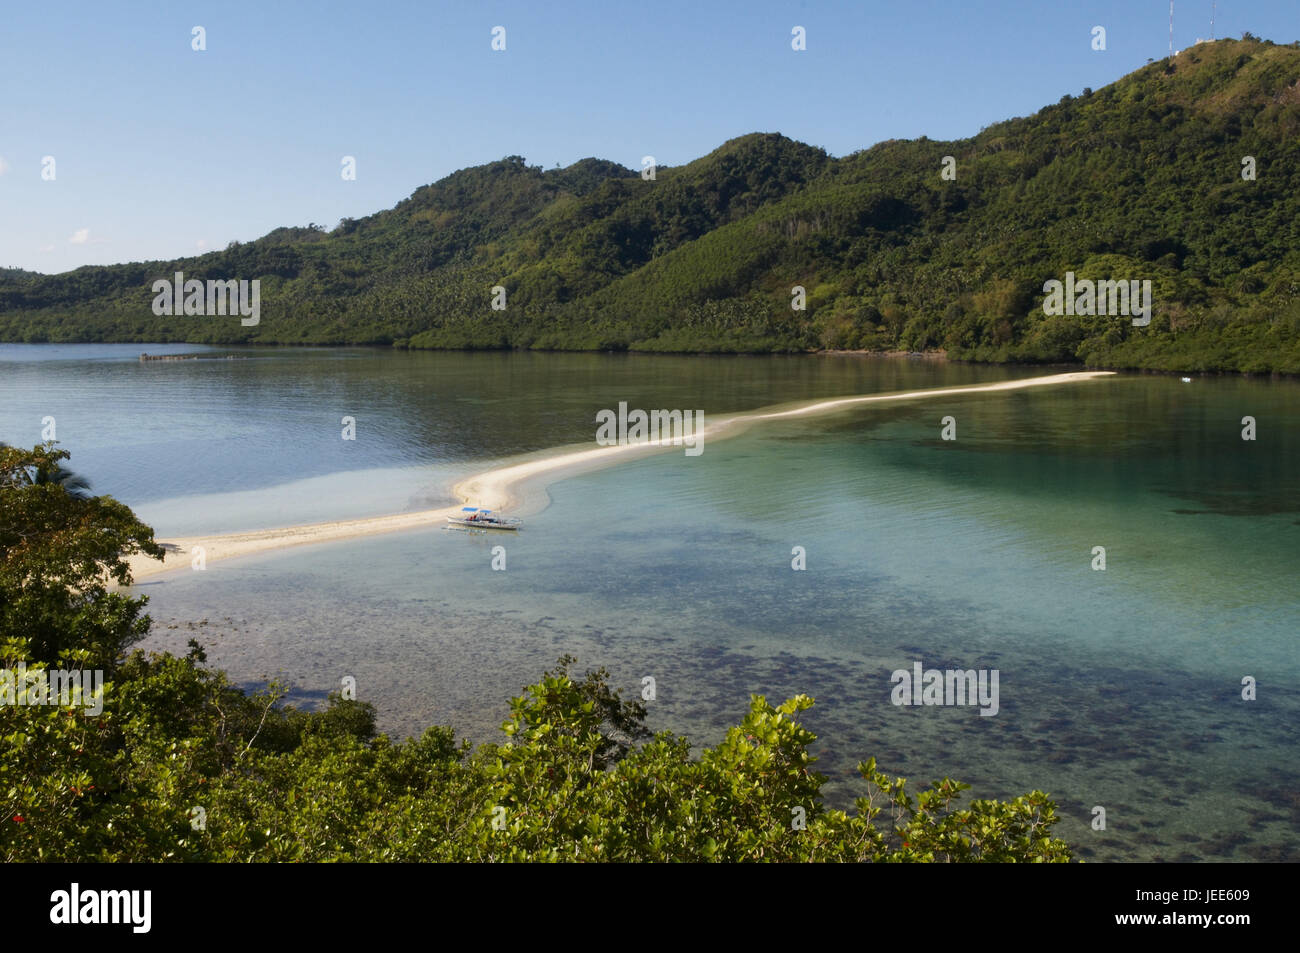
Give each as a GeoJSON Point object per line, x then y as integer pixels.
{"type": "Point", "coordinates": [1119, 689]}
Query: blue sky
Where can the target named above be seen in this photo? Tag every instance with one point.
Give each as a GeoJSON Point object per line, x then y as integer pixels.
{"type": "Point", "coordinates": [161, 151]}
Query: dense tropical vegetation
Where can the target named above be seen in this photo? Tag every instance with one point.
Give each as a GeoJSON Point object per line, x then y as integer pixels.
{"type": "Point", "coordinates": [1140, 180]}
{"type": "Point", "coordinates": [182, 765]}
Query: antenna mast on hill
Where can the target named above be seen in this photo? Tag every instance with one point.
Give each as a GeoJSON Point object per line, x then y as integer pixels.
{"type": "Point", "coordinates": [1171, 29]}
{"type": "Point", "coordinates": [1214, 6]}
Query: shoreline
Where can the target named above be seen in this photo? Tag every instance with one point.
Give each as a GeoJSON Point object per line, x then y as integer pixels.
{"type": "Point", "coordinates": [520, 483]}
{"type": "Point", "coordinates": [934, 355]}
{"type": "Point", "coordinates": [937, 355]}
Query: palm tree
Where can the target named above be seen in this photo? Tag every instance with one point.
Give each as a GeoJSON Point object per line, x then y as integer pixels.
{"type": "Point", "coordinates": [52, 473]}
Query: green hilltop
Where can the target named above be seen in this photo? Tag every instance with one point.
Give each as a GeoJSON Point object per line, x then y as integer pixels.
{"type": "Point", "coordinates": [1139, 180]}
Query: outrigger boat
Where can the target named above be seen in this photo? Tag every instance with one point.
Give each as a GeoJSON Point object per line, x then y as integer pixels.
{"type": "Point", "coordinates": [477, 518]}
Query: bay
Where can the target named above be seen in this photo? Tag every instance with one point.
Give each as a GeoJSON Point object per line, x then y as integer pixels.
{"type": "Point", "coordinates": [1119, 688]}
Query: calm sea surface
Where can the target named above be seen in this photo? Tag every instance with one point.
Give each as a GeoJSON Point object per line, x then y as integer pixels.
{"type": "Point", "coordinates": [1120, 689]}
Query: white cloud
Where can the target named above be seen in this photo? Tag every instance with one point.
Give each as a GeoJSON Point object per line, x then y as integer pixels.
{"type": "Point", "coordinates": [80, 237]}
{"type": "Point", "coordinates": [201, 244]}
{"type": "Point", "coordinates": [4, 166]}
{"type": "Point", "coordinates": [47, 248]}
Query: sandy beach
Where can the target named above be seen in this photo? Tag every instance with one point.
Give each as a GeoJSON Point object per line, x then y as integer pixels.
{"type": "Point", "coordinates": [520, 485]}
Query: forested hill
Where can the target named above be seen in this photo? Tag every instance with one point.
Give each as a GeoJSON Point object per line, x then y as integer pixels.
{"type": "Point", "coordinates": [1140, 180]}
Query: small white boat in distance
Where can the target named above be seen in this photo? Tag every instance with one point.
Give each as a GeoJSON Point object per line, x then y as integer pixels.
{"type": "Point", "coordinates": [476, 518]}
{"type": "Point", "coordinates": [1187, 380]}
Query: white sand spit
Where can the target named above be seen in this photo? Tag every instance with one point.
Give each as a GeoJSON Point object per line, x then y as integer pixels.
{"type": "Point", "coordinates": [522, 483]}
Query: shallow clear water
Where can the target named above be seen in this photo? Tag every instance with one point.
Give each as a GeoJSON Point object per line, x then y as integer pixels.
{"type": "Point", "coordinates": [1119, 689]}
